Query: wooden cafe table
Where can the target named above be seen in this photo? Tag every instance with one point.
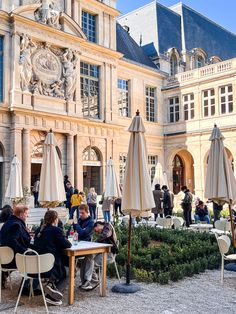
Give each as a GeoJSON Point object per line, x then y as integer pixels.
{"type": "Point", "coordinates": [81, 249]}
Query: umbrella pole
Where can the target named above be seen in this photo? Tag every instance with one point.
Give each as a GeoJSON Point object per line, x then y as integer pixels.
{"type": "Point", "coordinates": [128, 269]}
{"type": "Point", "coordinates": [232, 225]}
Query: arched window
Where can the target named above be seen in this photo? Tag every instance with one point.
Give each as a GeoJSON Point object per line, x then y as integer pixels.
{"type": "Point", "coordinates": [91, 154]}
{"type": "Point", "coordinates": [173, 64]}
{"type": "Point", "coordinates": [200, 62]}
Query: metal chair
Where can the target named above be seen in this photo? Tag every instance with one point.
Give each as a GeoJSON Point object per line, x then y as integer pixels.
{"type": "Point", "coordinates": [224, 245]}
{"type": "Point", "coordinates": [6, 257]}
{"type": "Point", "coordinates": [34, 264]}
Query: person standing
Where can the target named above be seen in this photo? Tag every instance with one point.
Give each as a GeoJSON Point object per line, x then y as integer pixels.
{"type": "Point", "coordinates": [216, 210]}
{"type": "Point", "coordinates": [187, 205]}
{"type": "Point", "coordinates": [158, 198]}
{"type": "Point", "coordinates": [166, 201]}
{"type": "Point", "coordinates": [76, 200]}
{"type": "Point", "coordinates": [69, 193]}
{"type": "Point", "coordinates": [117, 206]}
{"type": "Point", "coordinates": [36, 192]}
{"type": "Point", "coordinates": [107, 203]}
{"type": "Point", "coordinates": [92, 202]}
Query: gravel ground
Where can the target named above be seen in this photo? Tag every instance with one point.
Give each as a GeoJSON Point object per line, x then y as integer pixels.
{"type": "Point", "coordinates": [201, 294]}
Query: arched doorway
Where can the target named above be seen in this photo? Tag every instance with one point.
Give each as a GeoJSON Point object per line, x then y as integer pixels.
{"type": "Point", "coordinates": [178, 174]}
{"type": "Point", "coordinates": [37, 159]}
{"type": "Point", "coordinates": [1, 175]}
{"type": "Point", "coordinates": [92, 169]}
{"type": "Point", "coordinates": [183, 171]}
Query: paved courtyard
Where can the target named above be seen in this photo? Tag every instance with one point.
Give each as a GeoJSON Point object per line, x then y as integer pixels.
{"type": "Point", "coordinates": [200, 294]}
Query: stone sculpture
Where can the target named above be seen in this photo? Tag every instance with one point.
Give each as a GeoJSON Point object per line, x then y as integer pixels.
{"type": "Point", "coordinates": [47, 14]}
{"type": "Point", "coordinates": [69, 61]}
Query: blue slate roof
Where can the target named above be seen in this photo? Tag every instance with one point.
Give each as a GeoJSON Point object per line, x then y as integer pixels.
{"type": "Point", "coordinates": [131, 50]}
{"type": "Point", "coordinates": [169, 29]}
{"type": "Point", "coordinates": [200, 32]}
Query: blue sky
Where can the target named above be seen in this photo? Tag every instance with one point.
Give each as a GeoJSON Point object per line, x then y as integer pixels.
{"type": "Point", "coordinates": [222, 12]}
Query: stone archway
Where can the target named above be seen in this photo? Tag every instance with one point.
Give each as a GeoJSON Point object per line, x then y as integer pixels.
{"type": "Point", "coordinates": [183, 171]}
{"type": "Point", "coordinates": [92, 169]}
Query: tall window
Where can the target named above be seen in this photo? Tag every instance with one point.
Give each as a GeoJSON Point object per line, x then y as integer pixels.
{"type": "Point", "coordinates": [89, 25]}
{"type": "Point", "coordinates": [173, 64]}
{"type": "Point", "coordinates": [122, 162]}
{"type": "Point", "coordinates": [209, 102]}
{"type": "Point", "coordinates": [123, 97]}
{"type": "Point", "coordinates": [152, 161]}
{"type": "Point", "coordinates": [150, 104]}
{"type": "Point", "coordinates": [174, 109]}
{"type": "Point", "coordinates": [90, 90]}
{"type": "Point", "coordinates": [1, 68]}
{"type": "Point", "coordinates": [226, 99]}
{"type": "Point", "coordinates": [188, 102]}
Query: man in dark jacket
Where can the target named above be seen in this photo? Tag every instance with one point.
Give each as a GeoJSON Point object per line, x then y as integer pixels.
{"type": "Point", "coordinates": [187, 205]}
{"type": "Point", "coordinates": [201, 213]}
{"type": "Point", "coordinates": [14, 232]}
{"type": "Point", "coordinates": [84, 227]}
{"type": "Point", "coordinates": [166, 201]}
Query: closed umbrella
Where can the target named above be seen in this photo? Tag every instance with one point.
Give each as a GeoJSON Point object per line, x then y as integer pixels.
{"type": "Point", "coordinates": [14, 188]}
{"type": "Point", "coordinates": [137, 191]}
{"type": "Point", "coordinates": [51, 187]}
{"type": "Point", "coordinates": [112, 188]}
{"type": "Point", "coordinates": [220, 179]}
{"type": "Point", "coordinates": [159, 176]}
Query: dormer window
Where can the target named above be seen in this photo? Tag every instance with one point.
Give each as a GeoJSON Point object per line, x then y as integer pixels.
{"type": "Point", "coordinates": [173, 65]}
{"type": "Point", "coordinates": [200, 62]}
{"type": "Point", "coordinates": [199, 58]}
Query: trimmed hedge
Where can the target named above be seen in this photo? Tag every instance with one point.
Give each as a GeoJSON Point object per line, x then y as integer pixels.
{"type": "Point", "coordinates": [164, 255]}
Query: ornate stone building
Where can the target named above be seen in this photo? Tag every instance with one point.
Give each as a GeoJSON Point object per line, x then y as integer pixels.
{"type": "Point", "coordinates": [70, 67]}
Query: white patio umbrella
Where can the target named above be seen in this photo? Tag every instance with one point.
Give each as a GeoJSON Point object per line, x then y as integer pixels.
{"type": "Point", "coordinates": [220, 180]}
{"type": "Point", "coordinates": [14, 188]}
{"type": "Point", "coordinates": [51, 187]}
{"type": "Point", "coordinates": [137, 191]}
{"type": "Point", "coordinates": [112, 188]}
{"type": "Point", "coordinates": [159, 176]}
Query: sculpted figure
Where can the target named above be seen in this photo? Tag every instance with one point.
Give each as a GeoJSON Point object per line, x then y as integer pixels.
{"type": "Point", "coordinates": [57, 89]}
{"type": "Point", "coordinates": [69, 60]}
{"type": "Point", "coordinates": [26, 49]}
{"type": "Point", "coordinates": [46, 14]}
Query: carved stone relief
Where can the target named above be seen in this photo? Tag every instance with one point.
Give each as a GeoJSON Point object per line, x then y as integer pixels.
{"type": "Point", "coordinates": [48, 13]}
{"type": "Point", "coordinates": [47, 70]}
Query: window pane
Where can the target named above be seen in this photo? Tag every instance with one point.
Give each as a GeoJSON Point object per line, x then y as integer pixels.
{"type": "Point", "coordinates": [1, 69]}
{"type": "Point", "coordinates": [89, 25]}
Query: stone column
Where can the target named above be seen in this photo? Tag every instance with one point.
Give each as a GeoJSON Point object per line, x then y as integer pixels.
{"type": "Point", "coordinates": [78, 164]}
{"type": "Point", "coordinates": [68, 7]}
{"type": "Point", "coordinates": [26, 162]}
{"type": "Point", "coordinates": [16, 144]}
{"type": "Point", "coordinates": [70, 157]}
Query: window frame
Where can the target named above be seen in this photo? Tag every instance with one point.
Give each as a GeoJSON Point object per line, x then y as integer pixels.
{"type": "Point", "coordinates": [89, 78]}
{"type": "Point", "coordinates": [187, 106]}
{"type": "Point", "coordinates": [90, 30]}
{"type": "Point", "coordinates": [152, 162]}
{"type": "Point", "coordinates": [151, 113]}
{"type": "Point", "coordinates": [123, 93]}
{"type": "Point", "coordinates": [122, 165]}
{"type": "Point", "coordinates": [174, 111]}
{"type": "Point", "coordinates": [210, 105]}
{"type": "Point", "coordinates": [1, 68]}
{"type": "Point", "coordinates": [227, 102]}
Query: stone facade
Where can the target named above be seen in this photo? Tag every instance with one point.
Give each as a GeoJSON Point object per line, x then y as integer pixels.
{"type": "Point", "coordinates": [44, 46]}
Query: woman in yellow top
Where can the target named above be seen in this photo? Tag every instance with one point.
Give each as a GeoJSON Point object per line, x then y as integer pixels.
{"type": "Point", "coordinates": [76, 200]}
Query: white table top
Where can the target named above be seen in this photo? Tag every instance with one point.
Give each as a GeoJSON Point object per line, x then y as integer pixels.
{"type": "Point", "coordinates": [83, 245]}
{"type": "Point", "coordinates": [201, 226]}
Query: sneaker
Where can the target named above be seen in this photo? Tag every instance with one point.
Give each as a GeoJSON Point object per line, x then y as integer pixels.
{"type": "Point", "coordinates": [87, 286]}
{"type": "Point", "coordinates": [95, 278]}
{"type": "Point", "coordinates": [54, 293]}
{"type": "Point", "coordinates": [52, 301]}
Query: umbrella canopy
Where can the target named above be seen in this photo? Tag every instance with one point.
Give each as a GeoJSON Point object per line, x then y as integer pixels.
{"type": "Point", "coordinates": [112, 188]}
{"type": "Point", "coordinates": [14, 187]}
{"type": "Point", "coordinates": [137, 191]}
{"type": "Point", "coordinates": [220, 179]}
{"type": "Point", "coordinates": [51, 188]}
{"type": "Point", "coordinates": [159, 176]}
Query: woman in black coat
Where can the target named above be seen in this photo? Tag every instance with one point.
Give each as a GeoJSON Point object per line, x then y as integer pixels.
{"type": "Point", "coordinates": [50, 239]}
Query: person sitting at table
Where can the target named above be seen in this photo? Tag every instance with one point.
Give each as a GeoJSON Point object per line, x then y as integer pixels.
{"type": "Point", "coordinates": [107, 235]}
{"type": "Point", "coordinates": [84, 227]}
{"type": "Point", "coordinates": [201, 213]}
{"type": "Point", "coordinates": [49, 238]}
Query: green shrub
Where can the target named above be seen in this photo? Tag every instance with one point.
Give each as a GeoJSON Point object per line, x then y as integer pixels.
{"type": "Point", "coordinates": [164, 278]}
{"type": "Point", "coordinates": [143, 275]}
